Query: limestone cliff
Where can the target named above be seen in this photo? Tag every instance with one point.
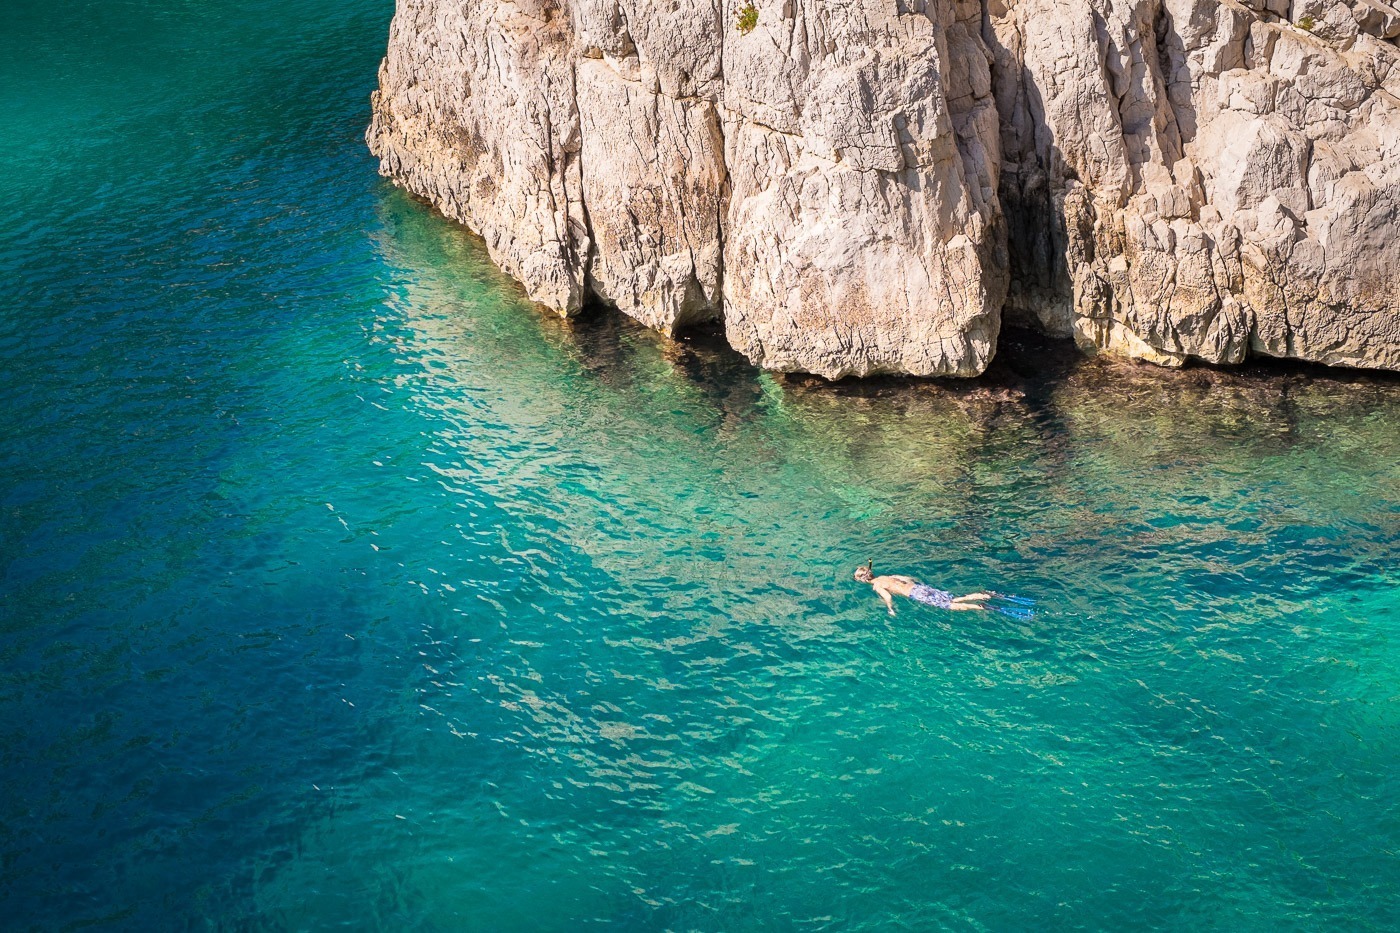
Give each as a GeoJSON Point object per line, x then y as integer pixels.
{"type": "Point", "coordinates": [1194, 178]}
{"type": "Point", "coordinates": [853, 187]}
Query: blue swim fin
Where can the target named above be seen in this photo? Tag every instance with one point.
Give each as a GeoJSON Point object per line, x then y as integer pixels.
{"type": "Point", "coordinates": [1016, 612]}
{"type": "Point", "coordinates": [1013, 600]}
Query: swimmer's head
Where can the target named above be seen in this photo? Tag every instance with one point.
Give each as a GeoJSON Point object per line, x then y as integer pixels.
{"type": "Point", "coordinates": [863, 574]}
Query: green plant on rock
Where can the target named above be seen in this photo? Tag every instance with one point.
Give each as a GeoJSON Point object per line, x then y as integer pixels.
{"type": "Point", "coordinates": [748, 18]}
{"type": "Point", "coordinates": [1307, 23]}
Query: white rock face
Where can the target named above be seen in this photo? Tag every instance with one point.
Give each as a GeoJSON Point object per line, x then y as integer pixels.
{"type": "Point", "coordinates": [1202, 179]}
{"type": "Point", "coordinates": [863, 233]}
{"type": "Point", "coordinates": [825, 182]}
{"type": "Point", "coordinates": [477, 112]}
{"type": "Point", "coordinates": [1179, 178]}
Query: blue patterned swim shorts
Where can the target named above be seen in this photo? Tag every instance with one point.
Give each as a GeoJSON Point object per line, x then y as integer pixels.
{"type": "Point", "coordinates": [922, 593]}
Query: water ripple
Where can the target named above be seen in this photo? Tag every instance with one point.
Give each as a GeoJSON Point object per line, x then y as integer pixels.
{"type": "Point", "coordinates": [340, 586]}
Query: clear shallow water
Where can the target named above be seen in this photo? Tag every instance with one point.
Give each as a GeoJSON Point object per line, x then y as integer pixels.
{"type": "Point", "coordinates": [338, 587]}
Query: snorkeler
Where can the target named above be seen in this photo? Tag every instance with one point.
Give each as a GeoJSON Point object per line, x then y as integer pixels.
{"type": "Point", "coordinates": [889, 587]}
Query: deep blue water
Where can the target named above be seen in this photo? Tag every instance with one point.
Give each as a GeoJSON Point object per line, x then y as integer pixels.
{"type": "Point", "coordinates": [339, 586]}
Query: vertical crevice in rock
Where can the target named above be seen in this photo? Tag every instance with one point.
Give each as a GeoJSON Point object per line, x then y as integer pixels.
{"type": "Point", "coordinates": [1031, 175]}
{"type": "Point", "coordinates": [582, 239]}
{"type": "Point", "coordinates": [717, 10]}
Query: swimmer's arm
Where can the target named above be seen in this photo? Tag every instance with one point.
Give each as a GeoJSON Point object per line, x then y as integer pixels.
{"type": "Point", "coordinates": [885, 595]}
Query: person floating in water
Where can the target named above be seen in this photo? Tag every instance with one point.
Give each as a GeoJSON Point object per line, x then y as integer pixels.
{"type": "Point", "coordinates": [889, 587]}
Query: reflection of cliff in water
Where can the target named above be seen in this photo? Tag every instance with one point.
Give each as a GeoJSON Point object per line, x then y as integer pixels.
{"type": "Point", "coordinates": [1034, 380]}
{"type": "Point", "coordinates": [1067, 445]}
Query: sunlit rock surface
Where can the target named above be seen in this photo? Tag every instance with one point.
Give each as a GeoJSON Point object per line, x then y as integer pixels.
{"type": "Point", "coordinates": [853, 187]}
{"type": "Point", "coordinates": [1201, 179]}
{"type": "Point", "coordinates": [825, 183]}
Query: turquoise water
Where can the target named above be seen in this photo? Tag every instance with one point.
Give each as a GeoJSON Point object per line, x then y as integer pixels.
{"type": "Point", "coordinates": [340, 587]}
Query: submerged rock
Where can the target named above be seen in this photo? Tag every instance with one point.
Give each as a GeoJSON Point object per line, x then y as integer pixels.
{"type": "Point", "coordinates": [853, 187]}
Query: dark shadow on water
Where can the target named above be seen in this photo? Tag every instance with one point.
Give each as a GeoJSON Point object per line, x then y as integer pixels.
{"type": "Point", "coordinates": [615, 349]}
{"type": "Point", "coordinates": [1034, 377]}
{"type": "Point", "coordinates": [1033, 373]}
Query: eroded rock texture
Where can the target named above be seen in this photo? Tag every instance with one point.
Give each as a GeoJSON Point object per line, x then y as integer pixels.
{"type": "Point", "coordinates": [1204, 179]}
{"type": "Point", "coordinates": [826, 182]}
{"type": "Point", "coordinates": [863, 232]}
{"type": "Point", "coordinates": [1179, 178]}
